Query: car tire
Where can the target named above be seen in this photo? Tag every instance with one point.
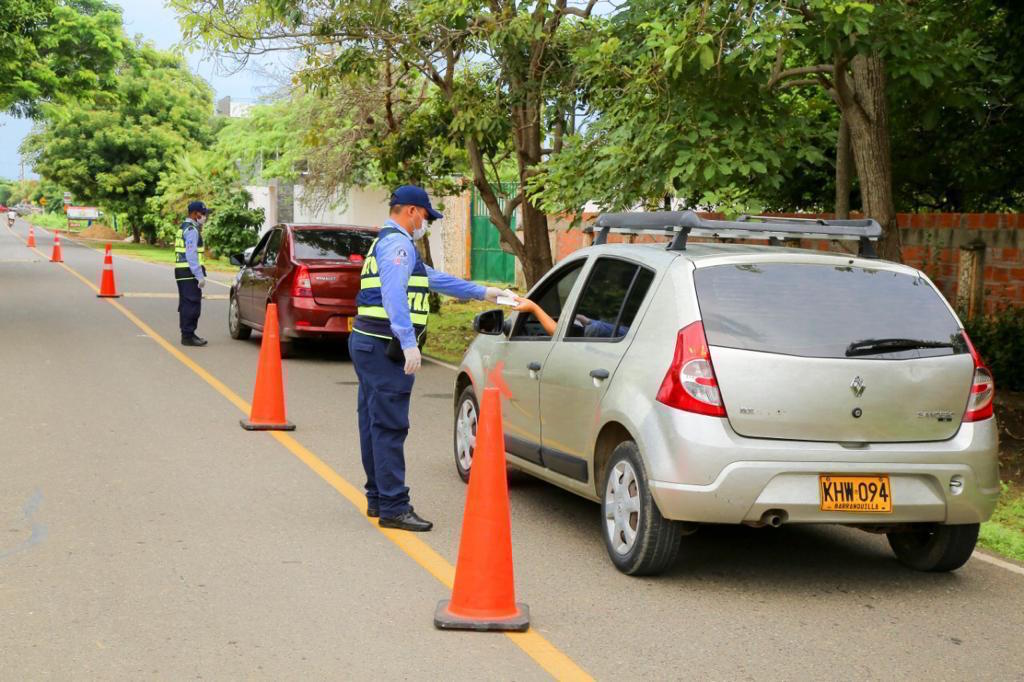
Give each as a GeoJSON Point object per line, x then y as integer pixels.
{"type": "Point", "coordinates": [639, 540]}
{"type": "Point", "coordinates": [467, 417]}
{"type": "Point", "coordinates": [936, 549]}
{"type": "Point", "coordinates": [236, 327]}
{"type": "Point", "coordinates": [287, 349]}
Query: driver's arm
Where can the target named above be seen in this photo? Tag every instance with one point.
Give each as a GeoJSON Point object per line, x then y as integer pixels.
{"type": "Point", "coordinates": [528, 306]}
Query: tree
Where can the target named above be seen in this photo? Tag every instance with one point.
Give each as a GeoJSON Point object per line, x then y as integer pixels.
{"type": "Point", "coordinates": [958, 146]}
{"type": "Point", "coordinates": [672, 119]}
{"type": "Point", "coordinates": [56, 50]}
{"type": "Point", "coordinates": [852, 50]}
{"type": "Point", "coordinates": [112, 151]}
{"type": "Point", "coordinates": [213, 177]}
{"type": "Point", "coordinates": [500, 67]}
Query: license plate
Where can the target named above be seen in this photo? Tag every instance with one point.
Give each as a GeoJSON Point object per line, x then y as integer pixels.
{"type": "Point", "coordinates": [864, 494]}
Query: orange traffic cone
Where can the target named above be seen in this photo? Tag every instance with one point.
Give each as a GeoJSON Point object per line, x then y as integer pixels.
{"type": "Point", "coordinates": [484, 596]}
{"type": "Point", "coordinates": [31, 243]}
{"type": "Point", "coordinates": [56, 257]}
{"type": "Point", "coordinates": [267, 412]}
{"type": "Point", "coordinates": [107, 287]}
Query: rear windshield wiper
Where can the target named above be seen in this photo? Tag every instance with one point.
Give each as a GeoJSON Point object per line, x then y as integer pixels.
{"type": "Point", "coordinates": [873, 346]}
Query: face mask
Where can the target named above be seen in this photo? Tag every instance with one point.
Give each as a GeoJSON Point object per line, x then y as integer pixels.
{"type": "Point", "coordinates": [202, 220]}
{"type": "Point", "coordinates": [419, 233]}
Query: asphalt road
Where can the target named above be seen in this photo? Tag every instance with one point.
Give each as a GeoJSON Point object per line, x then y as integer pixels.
{"type": "Point", "coordinates": [143, 533]}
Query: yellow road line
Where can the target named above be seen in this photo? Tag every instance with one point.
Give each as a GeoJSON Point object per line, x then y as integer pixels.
{"type": "Point", "coordinates": [543, 652]}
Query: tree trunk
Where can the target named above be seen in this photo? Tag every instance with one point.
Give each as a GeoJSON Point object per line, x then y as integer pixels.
{"type": "Point", "coordinates": [865, 107]}
{"type": "Point", "coordinates": [433, 298]}
{"type": "Point", "coordinates": [136, 233]}
{"type": "Point", "coordinates": [844, 170]}
{"type": "Point", "coordinates": [537, 260]}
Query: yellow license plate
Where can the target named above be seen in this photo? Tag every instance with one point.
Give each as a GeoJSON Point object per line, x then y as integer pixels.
{"type": "Point", "coordinates": [865, 494]}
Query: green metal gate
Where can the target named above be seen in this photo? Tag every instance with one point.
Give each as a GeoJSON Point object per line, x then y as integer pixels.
{"type": "Point", "coordinates": [488, 263]}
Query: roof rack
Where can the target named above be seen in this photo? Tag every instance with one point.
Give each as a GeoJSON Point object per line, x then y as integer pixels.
{"type": "Point", "coordinates": [682, 224]}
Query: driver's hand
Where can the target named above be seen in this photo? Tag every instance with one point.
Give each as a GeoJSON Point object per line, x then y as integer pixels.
{"type": "Point", "coordinates": [583, 319]}
{"type": "Point", "coordinates": [524, 305]}
{"type": "Point", "coordinates": [413, 359]}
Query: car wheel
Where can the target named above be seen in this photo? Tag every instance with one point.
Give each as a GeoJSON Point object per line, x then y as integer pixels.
{"type": "Point", "coordinates": [467, 413]}
{"type": "Point", "coordinates": [236, 327]}
{"type": "Point", "coordinates": [287, 349]}
{"type": "Point", "coordinates": [935, 548]}
{"type": "Point", "coordinates": [640, 541]}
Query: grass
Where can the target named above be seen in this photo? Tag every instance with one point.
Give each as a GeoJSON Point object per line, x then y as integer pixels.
{"type": "Point", "coordinates": [51, 221]}
{"type": "Point", "coordinates": [1004, 532]}
{"type": "Point", "coordinates": [450, 331]}
{"type": "Point", "coordinates": [157, 254]}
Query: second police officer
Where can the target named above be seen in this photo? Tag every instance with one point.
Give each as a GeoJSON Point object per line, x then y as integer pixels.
{"type": "Point", "coordinates": [190, 272]}
{"type": "Point", "coordinates": [389, 330]}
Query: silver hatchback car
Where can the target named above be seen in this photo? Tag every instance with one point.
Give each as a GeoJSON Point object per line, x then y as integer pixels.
{"type": "Point", "coordinates": [743, 384]}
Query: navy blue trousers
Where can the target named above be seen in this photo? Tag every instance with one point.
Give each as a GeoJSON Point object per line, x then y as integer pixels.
{"type": "Point", "coordinates": [190, 304]}
{"type": "Point", "coordinates": [384, 393]}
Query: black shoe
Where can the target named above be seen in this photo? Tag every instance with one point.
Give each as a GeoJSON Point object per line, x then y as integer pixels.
{"type": "Point", "coordinates": [193, 341]}
{"type": "Point", "coordinates": [407, 521]}
{"type": "Point", "coordinates": [373, 512]}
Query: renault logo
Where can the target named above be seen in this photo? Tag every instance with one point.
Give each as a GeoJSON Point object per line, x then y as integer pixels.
{"type": "Point", "coordinates": [857, 386]}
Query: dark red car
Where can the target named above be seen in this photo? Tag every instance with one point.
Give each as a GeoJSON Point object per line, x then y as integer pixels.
{"type": "Point", "coordinates": [310, 271]}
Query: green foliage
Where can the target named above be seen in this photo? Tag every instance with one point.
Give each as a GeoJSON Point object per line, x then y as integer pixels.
{"type": "Point", "coordinates": [233, 227]}
{"type": "Point", "coordinates": [209, 176]}
{"type": "Point", "coordinates": [57, 50]}
{"type": "Point", "coordinates": [999, 339]}
{"type": "Point", "coordinates": [953, 142]}
{"type": "Point", "coordinates": [112, 152]}
{"type": "Point", "coordinates": [1004, 532]}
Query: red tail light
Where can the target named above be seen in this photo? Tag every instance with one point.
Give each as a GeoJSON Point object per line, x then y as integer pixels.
{"type": "Point", "coordinates": [690, 382]}
{"type": "Point", "coordinates": [301, 286]}
{"type": "Point", "coordinates": [983, 388]}
{"type": "Point", "coordinates": [356, 258]}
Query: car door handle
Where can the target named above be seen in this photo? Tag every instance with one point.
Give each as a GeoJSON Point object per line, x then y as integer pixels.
{"type": "Point", "coordinates": [600, 374]}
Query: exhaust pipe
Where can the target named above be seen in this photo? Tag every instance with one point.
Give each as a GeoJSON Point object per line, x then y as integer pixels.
{"type": "Point", "coordinates": [774, 518]}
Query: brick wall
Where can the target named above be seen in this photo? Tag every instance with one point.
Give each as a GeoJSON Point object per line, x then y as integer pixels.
{"type": "Point", "coordinates": [932, 242]}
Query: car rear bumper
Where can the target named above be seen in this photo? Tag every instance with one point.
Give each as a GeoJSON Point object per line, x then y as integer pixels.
{"type": "Point", "coordinates": [305, 318]}
{"type": "Point", "coordinates": [708, 473]}
{"type": "Point", "coordinates": [746, 491]}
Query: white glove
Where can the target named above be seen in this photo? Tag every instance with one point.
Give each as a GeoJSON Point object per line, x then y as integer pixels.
{"type": "Point", "coordinates": [202, 283]}
{"type": "Point", "coordinates": [413, 359]}
{"type": "Point", "coordinates": [492, 294]}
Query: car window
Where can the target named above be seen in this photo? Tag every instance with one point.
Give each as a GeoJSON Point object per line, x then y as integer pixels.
{"type": "Point", "coordinates": [815, 310]}
{"type": "Point", "coordinates": [551, 298]}
{"type": "Point", "coordinates": [273, 247]}
{"type": "Point", "coordinates": [610, 300]}
{"type": "Point", "coordinates": [257, 254]}
{"type": "Point", "coordinates": [330, 244]}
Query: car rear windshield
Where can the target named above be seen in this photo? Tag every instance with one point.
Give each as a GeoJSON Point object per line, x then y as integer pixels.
{"type": "Point", "coordinates": [330, 244]}
{"type": "Point", "coordinates": [816, 310]}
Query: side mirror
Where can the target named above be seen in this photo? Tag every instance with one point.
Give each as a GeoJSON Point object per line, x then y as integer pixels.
{"type": "Point", "coordinates": [247, 255]}
{"type": "Point", "coordinates": [491, 323]}
{"type": "Point", "coordinates": [237, 259]}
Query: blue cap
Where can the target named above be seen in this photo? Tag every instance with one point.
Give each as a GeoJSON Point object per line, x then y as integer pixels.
{"type": "Point", "coordinates": [411, 195]}
{"type": "Point", "coordinates": [197, 206]}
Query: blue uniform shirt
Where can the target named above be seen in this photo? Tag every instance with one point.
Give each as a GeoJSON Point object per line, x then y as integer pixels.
{"type": "Point", "coordinates": [396, 256]}
{"type": "Point", "coordinates": [192, 250]}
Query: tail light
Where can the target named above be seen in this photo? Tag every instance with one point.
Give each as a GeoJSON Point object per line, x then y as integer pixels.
{"type": "Point", "coordinates": [356, 258]}
{"type": "Point", "coordinates": [983, 388]}
{"type": "Point", "coordinates": [301, 285]}
{"type": "Point", "coordinates": [690, 382]}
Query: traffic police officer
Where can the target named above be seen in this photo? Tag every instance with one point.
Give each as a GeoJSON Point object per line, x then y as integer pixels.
{"type": "Point", "coordinates": [190, 272]}
{"type": "Point", "coordinates": [389, 329]}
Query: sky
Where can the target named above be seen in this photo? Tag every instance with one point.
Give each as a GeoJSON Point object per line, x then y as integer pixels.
{"type": "Point", "coordinates": [156, 23]}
